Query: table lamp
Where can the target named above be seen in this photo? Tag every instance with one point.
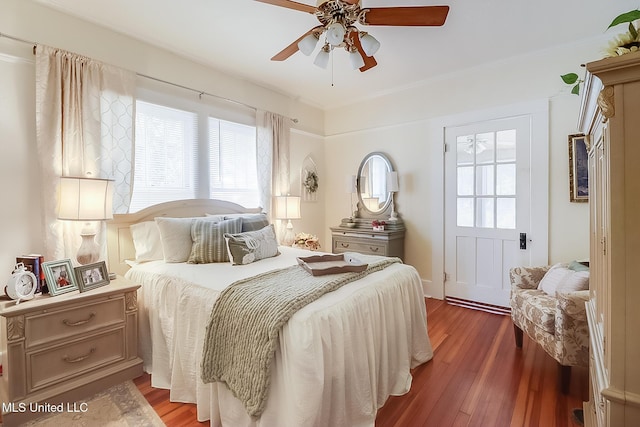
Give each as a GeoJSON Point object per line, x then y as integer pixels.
{"type": "Point", "coordinates": [88, 200]}
{"type": "Point", "coordinates": [393, 187]}
{"type": "Point", "coordinates": [288, 208]}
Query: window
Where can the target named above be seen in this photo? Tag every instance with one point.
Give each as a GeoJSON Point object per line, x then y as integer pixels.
{"type": "Point", "coordinates": [165, 155]}
{"type": "Point", "coordinates": [232, 160]}
{"type": "Point", "coordinates": [169, 156]}
{"type": "Point", "coordinates": [486, 181]}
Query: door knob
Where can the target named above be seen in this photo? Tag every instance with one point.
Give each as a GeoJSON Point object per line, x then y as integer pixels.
{"type": "Point", "coordinates": [523, 241]}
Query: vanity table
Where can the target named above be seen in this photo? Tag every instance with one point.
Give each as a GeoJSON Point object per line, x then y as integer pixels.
{"type": "Point", "coordinates": [375, 185]}
{"type": "Point", "coordinates": [362, 239]}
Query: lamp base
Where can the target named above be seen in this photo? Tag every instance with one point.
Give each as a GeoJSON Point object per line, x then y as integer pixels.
{"type": "Point", "coordinates": [89, 250]}
{"type": "Point", "coordinates": [289, 236]}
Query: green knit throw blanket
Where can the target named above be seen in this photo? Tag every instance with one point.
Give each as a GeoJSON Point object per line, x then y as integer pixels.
{"type": "Point", "coordinates": [246, 319]}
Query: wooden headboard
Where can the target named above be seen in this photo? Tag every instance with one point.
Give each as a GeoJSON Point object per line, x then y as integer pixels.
{"type": "Point", "coordinates": [120, 244]}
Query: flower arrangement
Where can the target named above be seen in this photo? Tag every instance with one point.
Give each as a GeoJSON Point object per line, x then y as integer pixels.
{"type": "Point", "coordinates": [624, 43]}
{"type": "Point", "coordinates": [311, 182]}
{"type": "Point", "coordinates": [378, 225]}
{"type": "Point", "coordinates": [306, 241]}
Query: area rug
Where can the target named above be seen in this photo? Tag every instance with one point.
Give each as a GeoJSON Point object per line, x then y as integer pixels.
{"type": "Point", "coordinates": [121, 405]}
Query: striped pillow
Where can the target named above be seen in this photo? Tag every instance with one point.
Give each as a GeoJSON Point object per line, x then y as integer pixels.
{"type": "Point", "coordinates": [209, 244]}
{"type": "Point", "coordinates": [251, 222]}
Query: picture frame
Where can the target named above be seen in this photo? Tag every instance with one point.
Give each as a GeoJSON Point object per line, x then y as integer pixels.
{"type": "Point", "coordinates": [578, 169]}
{"type": "Point", "coordinates": [60, 276]}
{"type": "Point", "coordinates": [91, 276]}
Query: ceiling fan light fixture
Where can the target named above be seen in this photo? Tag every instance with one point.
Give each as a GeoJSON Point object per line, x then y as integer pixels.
{"type": "Point", "coordinates": [322, 59]}
{"type": "Point", "coordinates": [356, 59]}
{"type": "Point", "coordinates": [335, 33]}
{"type": "Point", "coordinates": [370, 44]}
{"type": "Point", "coordinates": [308, 44]}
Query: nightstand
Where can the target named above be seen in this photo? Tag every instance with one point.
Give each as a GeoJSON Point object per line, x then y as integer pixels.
{"type": "Point", "coordinates": [362, 239]}
{"type": "Point", "coordinates": [68, 347]}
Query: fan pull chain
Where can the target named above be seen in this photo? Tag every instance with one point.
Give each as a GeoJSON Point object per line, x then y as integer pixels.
{"type": "Point", "coordinates": [332, 49]}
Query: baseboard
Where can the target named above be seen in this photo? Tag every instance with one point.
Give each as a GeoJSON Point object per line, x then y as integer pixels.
{"type": "Point", "coordinates": [432, 290]}
{"type": "Point", "coordinates": [474, 305]}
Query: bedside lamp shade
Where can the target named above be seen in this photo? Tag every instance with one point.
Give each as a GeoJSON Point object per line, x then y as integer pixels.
{"type": "Point", "coordinates": [86, 199]}
{"type": "Point", "coordinates": [287, 207]}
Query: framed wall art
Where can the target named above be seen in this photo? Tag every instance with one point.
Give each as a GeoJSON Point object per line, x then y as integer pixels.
{"type": "Point", "coordinates": [578, 169]}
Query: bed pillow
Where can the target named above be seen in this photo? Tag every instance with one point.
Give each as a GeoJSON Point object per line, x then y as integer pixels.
{"type": "Point", "coordinates": [146, 241]}
{"type": "Point", "coordinates": [251, 222]}
{"type": "Point", "coordinates": [562, 279]}
{"type": "Point", "coordinates": [209, 240]}
{"type": "Point", "coordinates": [245, 248]}
{"type": "Point", "coordinates": [175, 235]}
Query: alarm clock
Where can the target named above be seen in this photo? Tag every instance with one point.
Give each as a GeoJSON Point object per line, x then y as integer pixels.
{"type": "Point", "coordinates": [22, 284]}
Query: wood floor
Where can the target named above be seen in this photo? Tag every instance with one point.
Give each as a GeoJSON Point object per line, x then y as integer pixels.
{"type": "Point", "coordinates": [477, 377]}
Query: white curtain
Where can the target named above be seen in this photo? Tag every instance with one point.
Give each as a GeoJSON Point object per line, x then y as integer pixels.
{"type": "Point", "coordinates": [84, 127]}
{"type": "Point", "coordinates": [273, 156]}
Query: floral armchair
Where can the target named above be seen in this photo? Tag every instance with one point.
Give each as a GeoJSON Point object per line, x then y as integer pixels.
{"type": "Point", "coordinates": [558, 324]}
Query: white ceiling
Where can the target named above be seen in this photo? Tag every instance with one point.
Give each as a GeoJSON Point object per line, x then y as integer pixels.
{"type": "Point", "coordinates": [240, 37]}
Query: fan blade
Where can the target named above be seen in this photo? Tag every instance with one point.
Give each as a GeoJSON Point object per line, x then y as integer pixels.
{"type": "Point", "coordinates": [369, 61]}
{"type": "Point", "coordinates": [292, 48]}
{"type": "Point", "coordinates": [291, 5]}
{"type": "Point", "coordinates": [429, 16]}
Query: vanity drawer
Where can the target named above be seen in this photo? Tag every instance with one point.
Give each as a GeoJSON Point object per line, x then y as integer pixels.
{"type": "Point", "coordinates": [363, 247]}
{"type": "Point", "coordinates": [49, 326]}
{"type": "Point", "coordinates": [61, 363]}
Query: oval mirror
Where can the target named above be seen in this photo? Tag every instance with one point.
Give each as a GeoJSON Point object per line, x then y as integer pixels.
{"type": "Point", "coordinates": [373, 194]}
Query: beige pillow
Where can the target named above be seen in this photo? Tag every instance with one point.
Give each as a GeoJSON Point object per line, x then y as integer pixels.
{"type": "Point", "coordinates": [175, 235]}
{"type": "Point", "coordinates": [146, 241]}
{"type": "Point", "coordinates": [562, 279]}
{"type": "Point", "coordinates": [209, 244]}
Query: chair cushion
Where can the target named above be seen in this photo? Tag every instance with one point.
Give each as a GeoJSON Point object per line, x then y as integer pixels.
{"type": "Point", "coordinates": [536, 308]}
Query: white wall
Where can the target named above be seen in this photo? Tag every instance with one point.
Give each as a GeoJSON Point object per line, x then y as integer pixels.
{"type": "Point", "coordinates": [20, 221]}
{"type": "Point", "coordinates": [402, 124]}
{"type": "Point", "coordinates": [406, 126]}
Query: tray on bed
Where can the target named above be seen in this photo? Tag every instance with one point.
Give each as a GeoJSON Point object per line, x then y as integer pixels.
{"type": "Point", "coordinates": [319, 265]}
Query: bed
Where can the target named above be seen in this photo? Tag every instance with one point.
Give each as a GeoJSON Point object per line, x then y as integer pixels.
{"type": "Point", "coordinates": [337, 359]}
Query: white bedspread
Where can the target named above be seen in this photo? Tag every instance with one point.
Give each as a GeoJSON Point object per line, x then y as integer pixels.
{"type": "Point", "coordinates": [338, 361]}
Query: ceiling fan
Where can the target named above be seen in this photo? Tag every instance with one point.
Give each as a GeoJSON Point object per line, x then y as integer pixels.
{"type": "Point", "coordinates": [337, 19]}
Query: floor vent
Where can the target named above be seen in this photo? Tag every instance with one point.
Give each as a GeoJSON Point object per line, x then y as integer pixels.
{"type": "Point", "coordinates": [474, 305]}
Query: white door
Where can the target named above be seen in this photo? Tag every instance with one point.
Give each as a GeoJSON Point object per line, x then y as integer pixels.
{"type": "Point", "coordinates": [487, 207]}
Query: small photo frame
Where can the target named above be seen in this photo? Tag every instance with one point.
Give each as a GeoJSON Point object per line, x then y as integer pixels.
{"type": "Point", "coordinates": [92, 276]}
{"type": "Point", "coordinates": [60, 276]}
{"type": "Point", "coordinates": [578, 169]}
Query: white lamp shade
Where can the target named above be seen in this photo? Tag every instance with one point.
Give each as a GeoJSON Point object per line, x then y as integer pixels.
{"type": "Point", "coordinates": [392, 181]}
{"type": "Point", "coordinates": [322, 59]}
{"type": "Point", "coordinates": [350, 184]}
{"type": "Point", "coordinates": [287, 207]}
{"type": "Point", "coordinates": [356, 59]}
{"type": "Point", "coordinates": [369, 44]}
{"type": "Point", "coordinates": [85, 199]}
{"type": "Point", "coordinates": [335, 34]}
{"type": "Point", "coordinates": [308, 44]}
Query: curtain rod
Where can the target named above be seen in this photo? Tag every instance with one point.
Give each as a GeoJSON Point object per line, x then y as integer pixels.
{"type": "Point", "coordinates": [199, 92]}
